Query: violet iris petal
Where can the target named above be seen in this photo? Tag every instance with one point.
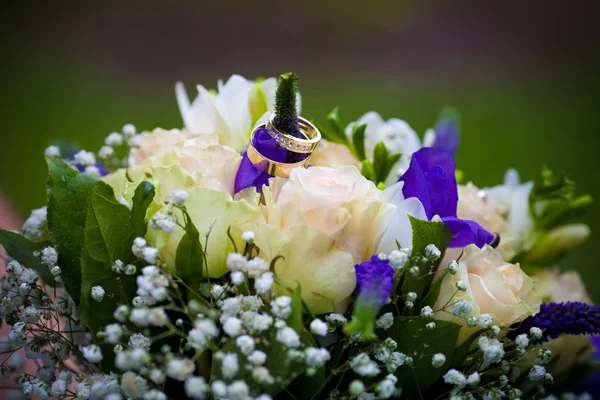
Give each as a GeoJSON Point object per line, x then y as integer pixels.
{"type": "Point", "coordinates": [467, 232]}
{"type": "Point", "coordinates": [446, 136]}
{"type": "Point", "coordinates": [431, 179]}
{"type": "Point", "coordinates": [248, 175]}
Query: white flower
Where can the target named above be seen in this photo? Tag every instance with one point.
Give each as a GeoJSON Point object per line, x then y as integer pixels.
{"type": "Point", "coordinates": [335, 319]}
{"type": "Point", "coordinates": [263, 283]}
{"type": "Point", "coordinates": [113, 333]}
{"type": "Point", "coordinates": [52, 151]}
{"type": "Point", "coordinates": [59, 388]}
{"type": "Point", "coordinates": [30, 314]}
{"type": "Point", "coordinates": [281, 307]}
{"type": "Point", "coordinates": [106, 152]}
{"type": "Point", "coordinates": [396, 135]}
{"type": "Point", "coordinates": [229, 114]}
{"type": "Point", "coordinates": [131, 360]}
{"type": "Point", "coordinates": [155, 395]}
{"type": "Point", "coordinates": [386, 388]}
{"type": "Point", "coordinates": [219, 389]}
{"type": "Point", "coordinates": [319, 327]}
{"type": "Point", "coordinates": [237, 278]}
{"type": "Point", "coordinates": [92, 353]}
{"type": "Point", "coordinates": [257, 357]}
{"type": "Point", "coordinates": [492, 350]}
{"type": "Point", "coordinates": [438, 360]}
{"type": "Point", "coordinates": [454, 377]}
{"type": "Point", "coordinates": [473, 379]}
{"type": "Point", "coordinates": [232, 326]}
{"type": "Point", "coordinates": [485, 321]}
{"type": "Point", "coordinates": [33, 228]}
{"type": "Point", "coordinates": [92, 170]}
{"type": "Point", "coordinates": [157, 376]}
{"type": "Point", "coordinates": [230, 365]}
{"type": "Point", "coordinates": [121, 313]}
{"type": "Point", "coordinates": [385, 321]}
{"type": "Point", "coordinates": [150, 254]}
{"type": "Point", "coordinates": [140, 316]}
{"type": "Point", "coordinates": [180, 368]}
{"type": "Point", "coordinates": [288, 337]}
{"type": "Point", "coordinates": [316, 357]}
{"type": "Point", "coordinates": [97, 293]}
{"type": "Point", "coordinates": [245, 343]}
{"type": "Point", "coordinates": [399, 258]}
{"type": "Point", "coordinates": [537, 373]}
{"type": "Point", "coordinates": [196, 388]}
{"type": "Point", "coordinates": [432, 252]}
{"type": "Point", "coordinates": [217, 291]}
{"type": "Point", "coordinates": [163, 223]}
{"type": "Point", "coordinates": [256, 267]}
{"type": "Point", "coordinates": [179, 197]}
{"type": "Point", "coordinates": [237, 262]}
{"type": "Point", "coordinates": [462, 308]}
{"type": "Point", "coordinates": [129, 130]}
{"type": "Point", "coordinates": [262, 375]}
{"type": "Point", "coordinates": [139, 341]}
{"type": "Point", "coordinates": [85, 158]}
{"type": "Point", "coordinates": [114, 139]}
{"type": "Point", "coordinates": [207, 327]}
{"type": "Point", "coordinates": [49, 256]}
{"type": "Point", "coordinates": [522, 341]}
{"type": "Point", "coordinates": [248, 236]}
{"type": "Point", "coordinates": [238, 390]}
{"type": "Point", "coordinates": [364, 366]}
{"type": "Point", "coordinates": [535, 332]}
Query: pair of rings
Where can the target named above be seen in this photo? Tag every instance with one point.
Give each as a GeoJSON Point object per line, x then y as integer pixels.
{"type": "Point", "coordinates": [303, 146]}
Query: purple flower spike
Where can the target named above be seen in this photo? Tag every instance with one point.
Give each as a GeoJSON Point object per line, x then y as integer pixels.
{"type": "Point", "coordinates": [446, 136]}
{"type": "Point", "coordinates": [374, 281]}
{"type": "Point", "coordinates": [431, 179]}
{"type": "Point", "coordinates": [572, 318]}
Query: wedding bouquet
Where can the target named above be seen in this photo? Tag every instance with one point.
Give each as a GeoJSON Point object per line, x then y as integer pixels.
{"type": "Point", "coordinates": [257, 255]}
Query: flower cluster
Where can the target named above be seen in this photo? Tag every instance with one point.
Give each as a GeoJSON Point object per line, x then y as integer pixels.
{"type": "Point", "coordinates": [169, 265]}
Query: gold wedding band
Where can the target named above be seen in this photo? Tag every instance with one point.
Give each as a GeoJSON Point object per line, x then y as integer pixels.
{"type": "Point", "coordinates": [292, 143]}
{"type": "Point", "coordinates": [267, 165]}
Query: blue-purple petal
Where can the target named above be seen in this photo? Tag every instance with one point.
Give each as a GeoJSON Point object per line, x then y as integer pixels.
{"type": "Point", "coordinates": [431, 178]}
{"type": "Point", "coordinates": [466, 232]}
{"type": "Point", "coordinates": [446, 136]}
{"type": "Point", "coordinates": [248, 175]}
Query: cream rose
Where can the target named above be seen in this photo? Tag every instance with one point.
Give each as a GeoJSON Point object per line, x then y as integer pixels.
{"type": "Point", "coordinates": [474, 205]}
{"type": "Point", "coordinates": [330, 154]}
{"type": "Point", "coordinates": [339, 202]}
{"type": "Point", "coordinates": [493, 286]}
{"type": "Point", "coordinates": [197, 154]}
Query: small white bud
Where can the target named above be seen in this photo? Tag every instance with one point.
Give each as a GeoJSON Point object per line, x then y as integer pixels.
{"type": "Point", "coordinates": [460, 285]}
{"type": "Point", "coordinates": [411, 296]}
{"type": "Point", "coordinates": [98, 293]}
{"type": "Point", "coordinates": [55, 271]}
{"type": "Point", "coordinates": [453, 267]}
{"type": "Point", "coordinates": [414, 271]}
{"type": "Point", "coordinates": [438, 360]}
{"type": "Point", "coordinates": [179, 197]}
{"type": "Point", "coordinates": [248, 236]}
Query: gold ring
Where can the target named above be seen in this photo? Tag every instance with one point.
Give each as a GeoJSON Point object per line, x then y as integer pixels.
{"type": "Point", "coordinates": [292, 143]}
{"type": "Point", "coordinates": [267, 165]}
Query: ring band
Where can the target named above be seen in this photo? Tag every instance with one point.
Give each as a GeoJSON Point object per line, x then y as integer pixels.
{"type": "Point", "coordinates": [267, 165]}
{"type": "Point", "coordinates": [292, 143]}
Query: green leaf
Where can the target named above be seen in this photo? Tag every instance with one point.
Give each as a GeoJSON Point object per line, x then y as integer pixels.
{"type": "Point", "coordinates": [68, 195]}
{"type": "Point", "coordinates": [295, 318]}
{"type": "Point", "coordinates": [21, 249]}
{"type": "Point", "coordinates": [461, 352]}
{"type": "Point", "coordinates": [421, 344]}
{"type": "Point", "coordinates": [108, 230]}
{"type": "Point", "coordinates": [358, 140]}
{"type": "Point", "coordinates": [368, 171]}
{"type": "Point", "coordinates": [189, 258]}
{"type": "Point", "coordinates": [380, 159]}
{"type": "Point", "coordinates": [434, 291]}
{"type": "Point", "coordinates": [144, 194]}
{"type": "Point", "coordinates": [338, 134]}
{"type": "Point", "coordinates": [108, 237]}
{"type": "Point", "coordinates": [425, 233]}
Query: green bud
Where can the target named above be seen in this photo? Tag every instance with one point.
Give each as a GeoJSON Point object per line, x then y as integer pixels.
{"type": "Point", "coordinates": [286, 111]}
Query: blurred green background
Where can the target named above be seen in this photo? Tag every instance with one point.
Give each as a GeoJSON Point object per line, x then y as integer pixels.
{"type": "Point", "coordinates": [524, 76]}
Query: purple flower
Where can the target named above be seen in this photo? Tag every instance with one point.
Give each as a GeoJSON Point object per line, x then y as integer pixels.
{"type": "Point", "coordinates": [572, 318]}
{"type": "Point", "coordinates": [446, 136]}
{"type": "Point", "coordinates": [249, 175]}
{"type": "Point", "coordinates": [374, 281]}
{"type": "Point", "coordinates": [431, 179]}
